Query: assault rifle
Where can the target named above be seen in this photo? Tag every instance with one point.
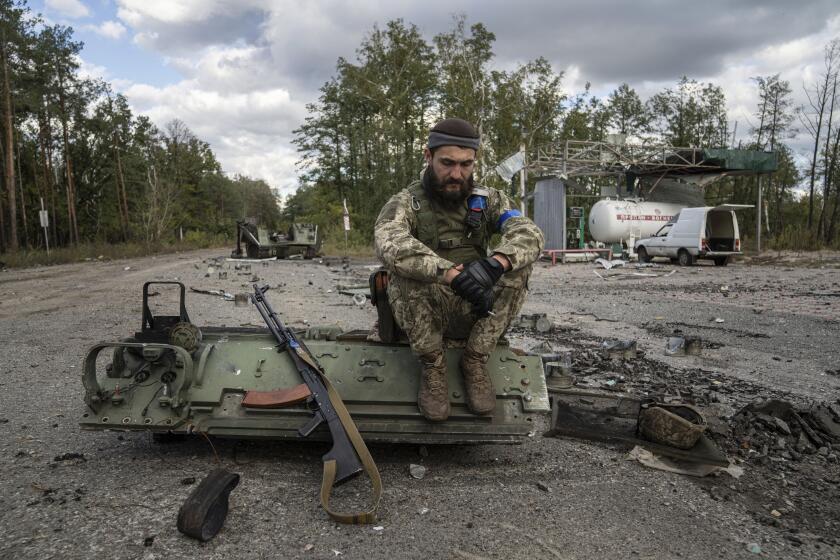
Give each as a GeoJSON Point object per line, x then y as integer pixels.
{"type": "Point", "coordinates": [349, 455]}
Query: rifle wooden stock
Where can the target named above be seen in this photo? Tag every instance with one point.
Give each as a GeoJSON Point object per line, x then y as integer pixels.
{"type": "Point", "coordinates": [278, 398]}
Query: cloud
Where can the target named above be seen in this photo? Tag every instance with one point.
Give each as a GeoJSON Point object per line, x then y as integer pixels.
{"type": "Point", "coordinates": [69, 8]}
{"type": "Point", "coordinates": [109, 29]}
{"type": "Point", "coordinates": [250, 132]}
{"type": "Point", "coordinates": [90, 71]}
{"type": "Point", "coordinates": [183, 27]}
{"type": "Point", "coordinates": [250, 67]}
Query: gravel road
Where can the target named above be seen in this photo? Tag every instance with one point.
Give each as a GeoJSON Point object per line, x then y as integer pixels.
{"type": "Point", "coordinates": [547, 498]}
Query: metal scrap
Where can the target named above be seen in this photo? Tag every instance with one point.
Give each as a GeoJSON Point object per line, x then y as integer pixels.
{"type": "Point", "coordinates": [221, 293]}
{"type": "Point", "coordinates": [615, 263]}
{"type": "Point", "coordinates": [536, 321]}
{"type": "Point", "coordinates": [683, 346]}
{"type": "Point", "coordinates": [619, 349]}
{"type": "Point", "coordinates": [630, 274]}
{"type": "Point", "coordinates": [648, 459]}
{"type": "Point", "coordinates": [605, 417]}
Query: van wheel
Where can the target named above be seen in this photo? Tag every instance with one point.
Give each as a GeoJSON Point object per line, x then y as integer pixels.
{"type": "Point", "coordinates": [685, 258]}
{"type": "Point", "coordinates": [643, 256]}
{"type": "Point", "coordinates": [721, 261]}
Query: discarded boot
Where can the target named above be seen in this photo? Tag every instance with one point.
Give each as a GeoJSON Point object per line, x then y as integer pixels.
{"type": "Point", "coordinates": [481, 397]}
{"type": "Point", "coordinates": [433, 397]}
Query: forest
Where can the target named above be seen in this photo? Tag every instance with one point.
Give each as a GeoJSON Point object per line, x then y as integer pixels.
{"type": "Point", "coordinates": [72, 145]}
{"type": "Point", "coordinates": [103, 174]}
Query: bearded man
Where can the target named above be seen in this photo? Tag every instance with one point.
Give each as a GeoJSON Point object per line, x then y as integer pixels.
{"type": "Point", "coordinates": [433, 238]}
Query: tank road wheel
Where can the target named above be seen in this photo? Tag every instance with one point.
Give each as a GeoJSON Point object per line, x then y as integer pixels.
{"type": "Point", "coordinates": [643, 255]}
{"type": "Point", "coordinates": [721, 261]}
{"type": "Point", "coordinates": [685, 258]}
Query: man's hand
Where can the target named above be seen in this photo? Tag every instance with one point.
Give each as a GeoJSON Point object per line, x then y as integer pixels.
{"type": "Point", "coordinates": [475, 284]}
{"type": "Point", "coordinates": [450, 274]}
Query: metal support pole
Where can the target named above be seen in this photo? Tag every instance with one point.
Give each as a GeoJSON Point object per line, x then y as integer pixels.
{"type": "Point", "coordinates": [523, 202]}
{"type": "Point", "coordinates": [758, 220]}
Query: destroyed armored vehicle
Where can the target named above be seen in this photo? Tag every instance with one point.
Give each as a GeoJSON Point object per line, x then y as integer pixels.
{"type": "Point", "coordinates": [302, 240]}
{"type": "Point", "coordinates": [172, 377]}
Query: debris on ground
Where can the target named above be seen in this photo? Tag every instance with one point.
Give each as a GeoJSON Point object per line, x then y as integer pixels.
{"type": "Point", "coordinates": [535, 321]}
{"type": "Point", "coordinates": [676, 466]}
{"type": "Point", "coordinates": [629, 274]}
{"type": "Point", "coordinates": [615, 263]}
{"type": "Point", "coordinates": [221, 293]}
{"type": "Point", "coordinates": [776, 428]}
{"type": "Point", "coordinates": [619, 349]}
{"type": "Point", "coordinates": [204, 511]}
{"type": "Point", "coordinates": [70, 457]}
{"type": "Point", "coordinates": [417, 471]}
{"type": "Point", "coordinates": [601, 416]}
{"type": "Point", "coordinates": [683, 346]}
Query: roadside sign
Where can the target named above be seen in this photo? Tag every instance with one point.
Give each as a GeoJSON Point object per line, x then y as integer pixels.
{"type": "Point", "coordinates": [346, 217]}
{"type": "Point", "coordinates": [45, 223]}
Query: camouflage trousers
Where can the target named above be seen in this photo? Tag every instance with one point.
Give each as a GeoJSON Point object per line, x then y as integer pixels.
{"type": "Point", "coordinates": [429, 312]}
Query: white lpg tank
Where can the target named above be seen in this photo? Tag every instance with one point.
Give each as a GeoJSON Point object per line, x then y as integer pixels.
{"type": "Point", "coordinates": [613, 221]}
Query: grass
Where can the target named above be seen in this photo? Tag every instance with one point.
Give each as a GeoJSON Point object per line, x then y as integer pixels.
{"type": "Point", "coordinates": [102, 251]}
{"type": "Point", "coordinates": [791, 239]}
{"type": "Point", "coordinates": [352, 249]}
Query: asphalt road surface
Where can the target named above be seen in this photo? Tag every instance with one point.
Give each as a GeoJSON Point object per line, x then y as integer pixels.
{"type": "Point", "coordinates": [117, 495]}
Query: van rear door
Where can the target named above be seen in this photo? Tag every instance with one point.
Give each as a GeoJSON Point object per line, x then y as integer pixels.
{"type": "Point", "coordinates": [721, 232]}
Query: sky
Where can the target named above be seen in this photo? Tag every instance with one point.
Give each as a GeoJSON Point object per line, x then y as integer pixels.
{"type": "Point", "coordinates": [240, 73]}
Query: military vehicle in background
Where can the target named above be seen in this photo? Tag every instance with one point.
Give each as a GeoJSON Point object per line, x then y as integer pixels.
{"type": "Point", "coordinates": [301, 239]}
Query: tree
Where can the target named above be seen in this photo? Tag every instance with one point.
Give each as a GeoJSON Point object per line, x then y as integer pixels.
{"type": "Point", "coordinates": [820, 97]}
{"type": "Point", "coordinates": [463, 68]}
{"type": "Point", "coordinates": [628, 114]}
{"type": "Point", "coordinates": [691, 115]}
{"type": "Point", "coordinates": [363, 138]}
{"type": "Point", "coordinates": [775, 117]}
{"type": "Point", "coordinates": [527, 106]}
{"type": "Point", "coordinates": [15, 31]}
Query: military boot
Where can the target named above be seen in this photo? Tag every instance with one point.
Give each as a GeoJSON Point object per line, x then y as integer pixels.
{"type": "Point", "coordinates": [481, 397]}
{"type": "Point", "coordinates": [433, 397]}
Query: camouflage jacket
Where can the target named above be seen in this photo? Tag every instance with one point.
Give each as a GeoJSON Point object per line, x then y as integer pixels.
{"type": "Point", "coordinates": [399, 248]}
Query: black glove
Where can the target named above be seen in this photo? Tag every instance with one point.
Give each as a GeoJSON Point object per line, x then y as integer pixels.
{"type": "Point", "coordinates": [475, 284]}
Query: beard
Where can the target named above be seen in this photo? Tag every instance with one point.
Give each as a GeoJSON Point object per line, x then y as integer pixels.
{"type": "Point", "coordinates": [443, 192]}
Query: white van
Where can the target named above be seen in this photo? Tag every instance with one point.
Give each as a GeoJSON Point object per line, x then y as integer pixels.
{"type": "Point", "coordinates": [708, 232]}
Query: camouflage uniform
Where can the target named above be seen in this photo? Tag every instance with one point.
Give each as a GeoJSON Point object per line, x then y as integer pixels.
{"type": "Point", "coordinates": [423, 305]}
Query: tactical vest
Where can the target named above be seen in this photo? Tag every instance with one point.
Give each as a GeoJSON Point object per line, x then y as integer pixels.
{"type": "Point", "coordinates": [443, 230]}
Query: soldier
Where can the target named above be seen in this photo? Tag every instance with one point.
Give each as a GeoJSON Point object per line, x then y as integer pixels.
{"type": "Point", "coordinates": [433, 238]}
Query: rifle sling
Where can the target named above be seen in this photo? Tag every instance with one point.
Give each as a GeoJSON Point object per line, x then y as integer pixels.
{"type": "Point", "coordinates": [328, 480]}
